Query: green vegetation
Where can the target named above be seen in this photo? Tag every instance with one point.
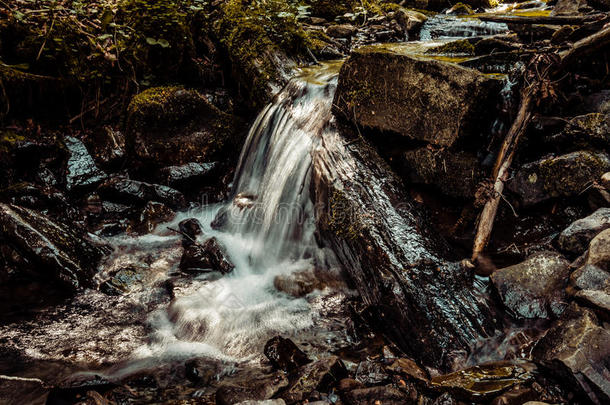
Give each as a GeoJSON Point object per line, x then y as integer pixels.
{"type": "Point", "coordinates": [462, 47]}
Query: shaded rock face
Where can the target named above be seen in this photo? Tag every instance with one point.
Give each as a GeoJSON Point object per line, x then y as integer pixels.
{"type": "Point", "coordinates": [259, 389]}
{"type": "Point", "coordinates": [584, 132]}
{"type": "Point", "coordinates": [562, 176]}
{"type": "Point", "coordinates": [172, 126]}
{"type": "Point", "coordinates": [391, 257]}
{"type": "Point", "coordinates": [418, 100]}
{"type": "Point", "coordinates": [317, 376]}
{"type": "Point", "coordinates": [534, 288]}
{"type": "Point", "coordinates": [210, 256]}
{"type": "Point", "coordinates": [577, 349]}
{"type": "Point", "coordinates": [54, 250]}
{"type": "Point", "coordinates": [576, 237]}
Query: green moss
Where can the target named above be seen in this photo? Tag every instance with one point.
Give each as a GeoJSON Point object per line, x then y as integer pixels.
{"type": "Point", "coordinates": [8, 139]}
{"type": "Point", "coordinates": [564, 177]}
{"type": "Point", "coordinates": [153, 97]}
{"type": "Point", "coordinates": [463, 47]}
{"type": "Point", "coordinates": [341, 219]}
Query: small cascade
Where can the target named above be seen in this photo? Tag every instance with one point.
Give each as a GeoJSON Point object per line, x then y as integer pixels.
{"type": "Point", "coordinates": [267, 229]}
{"type": "Point", "coordinates": [443, 26]}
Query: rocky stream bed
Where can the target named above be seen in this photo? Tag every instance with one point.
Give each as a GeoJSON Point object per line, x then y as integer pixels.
{"type": "Point", "coordinates": [284, 202]}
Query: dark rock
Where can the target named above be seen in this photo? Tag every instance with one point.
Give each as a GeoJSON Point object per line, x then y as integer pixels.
{"type": "Point", "coordinates": [577, 349]}
{"type": "Point", "coordinates": [209, 256]}
{"type": "Point", "coordinates": [191, 228]}
{"type": "Point", "coordinates": [128, 191]}
{"type": "Point", "coordinates": [493, 44]}
{"type": "Point", "coordinates": [153, 214]}
{"type": "Point", "coordinates": [584, 132]}
{"type": "Point", "coordinates": [572, 7]}
{"type": "Point", "coordinates": [590, 277]}
{"type": "Point", "coordinates": [81, 171]}
{"type": "Point", "coordinates": [349, 384]}
{"type": "Point", "coordinates": [407, 368]}
{"type": "Point", "coordinates": [410, 20]}
{"type": "Point", "coordinates": [298, 284]}
{"type": "Point", "coordinates": [391, 256]}
{"type": "Point", "coordinates": [341, 30]}
{"type": "Point", "coordinates": [534, 288]}
{"type": "Point", "coordinates": [124, 280]}
{"type": "Point", "coordinates": [386, 395]}
{"type": "Point", "coordinates": [450, 99]}
{"type": "Point", "coordinates": [483, 382]}
{"type": "Point", "coordinates": [284, 354]}
{"type": "Point", "coordinates": [23, 391]}
{"type": "Point", "coordinates": [516, 396]}
{"type": "Point", "coordinates": [456, 174]}
{"type": "Point", "coordinates": [460, 9]}
{"type": "Point", "coordinates": [561, 176]}
{"type": "Point", "coordinates": [107, 147]}
{"type": "Point", "coordinates": [169, 126]}
{"type": "Point", "coordinates": [258, 389]}
{"type": "Point", "coordinates": [56, 251]}
{"type": "Point", "coordinates": [576, 237]}
{"type": "Point", "coordinates": [188, 175]}
{"type": "Point", "coordinates": [445, 399]}
{"type": "Point", "coordinates": [371, 372]}
{"type": "Point", "coordinates": [319, 375]}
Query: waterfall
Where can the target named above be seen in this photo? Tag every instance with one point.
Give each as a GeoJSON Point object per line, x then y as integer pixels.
{"type": "Point", "coordinates": [267, 228]}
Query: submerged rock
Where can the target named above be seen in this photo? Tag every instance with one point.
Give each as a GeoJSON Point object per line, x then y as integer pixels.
{"type": "Point", "coordinates": [284, 354]}
{"type": "Point", "coordinates": [577, 350]}
{"type": "Point", "coordinates": [534, 288]}
{"type": "Point", "coordinates": [483, 382]}
{"type": "Point", "coordinates": [174, 126]}
{"type": "Point", "coordinates": [576, 237]}
{"type": "Point", "coordinates": [54, 250]}
{"type": "Point", "coordinates": [423, 100]}
{"type": "Point", "coordinates": [561, 176]}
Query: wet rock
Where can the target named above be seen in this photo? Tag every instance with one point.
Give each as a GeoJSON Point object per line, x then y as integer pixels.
{"type": "Point", "coordinates": [31, 391]}
{"type": "Point", "coordinates": [259, 389]}
{"type": "Point", "coordinates": [407, 368]}
{"type": "Point", "coordinates": [169, 126]}
{"type": "Point", "coordinates": [153, 214]}
{"type": "Point", "coordinates": [126, 191]}
{"type": "Point", "coordinates": [81, 171]}
{"type": "Point", "coordinates": [383, 395]}
{"type": "Point", "coordinates": [370, 372]}
{"type": "Point", "coordinates": [410, 20]}
{"type": "Point", "coordinates": [576, 237]}
{"type": "Point", "coordinates": [483, 382]}
{"type": "Point", "coordinates": [284, 354]}
{"type": "Point", "coordinates": [577, 349]}
{"type": "Point", "coordinates": [188, 175]}
{"type": "Point", "coordinates": [450, 98]}
{"type": "Point", "coordinates": [460, 9]}
{"type": "Point", "coordinates": [341, 30]}
{"type": "Point", "coordinates": [605, 180]}
{"type": "Point", "coordinates": [319, 375]}
{"type": "Point", "coordinates": [56, 251]}
{"type": "Point", "coordinates": [124, 280]}
{"type": "Point", "coordinates": [392, 258]}
{"type": "Point", "coordinates": [209, 256]}
{"type": "Point", "coordinates": [494, 44]}
{"type": "Point", "coordinates": [263, 402]}
{"type": "Point", "coordinates": [561, 176]}
{"type": "Point", "coordinates": [191, 228]}
{"type": "Point", "coordinates": [107, 147]}
{"type": "Point", "coordinates": [516, 396]}
{"type": "Point", "coordinates": [453, 173]}
{"type": "Point", "coordinates": [570, 7]}
{"type": "Point", "coordinates": [534, 288]}
{"type": "Point", "coordinates": [298, 284]}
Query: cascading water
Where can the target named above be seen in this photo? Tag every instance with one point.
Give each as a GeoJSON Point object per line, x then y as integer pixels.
{"type": "Point", "coordinates": [267, 229]}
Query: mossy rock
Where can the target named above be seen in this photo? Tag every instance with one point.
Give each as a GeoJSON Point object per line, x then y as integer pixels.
{"type": "Point", "coordinates": [169, 126]}
{"type": "Point", "coordinates": [562, 176]}
{"type": "Point", "coordinates": [460, 47]}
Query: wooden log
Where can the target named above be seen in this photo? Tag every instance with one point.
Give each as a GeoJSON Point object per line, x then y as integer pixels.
{"type": "Point", "coordinates": [582, 48]}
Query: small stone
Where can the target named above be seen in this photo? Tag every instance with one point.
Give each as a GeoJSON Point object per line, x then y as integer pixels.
{"type": "Point", "coordinates": [341, 30]}
{"type": "Point", "coordinates": [191, 228]}
{"type": "Point", "coordinates": [576, 237]}
{"type": "Point", "coordinates": [284, 354]}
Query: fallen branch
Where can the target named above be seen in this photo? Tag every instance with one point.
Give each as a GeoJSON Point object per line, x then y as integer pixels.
{"type": "Point", "coordinates": [584, 47]}
{"type": "Point", "coordinates": [550, 20]}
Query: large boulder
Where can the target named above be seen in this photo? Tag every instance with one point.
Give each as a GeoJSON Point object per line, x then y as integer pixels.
{"type": "Point", "coordinates": [169, 126]}
{"type": "Point", "coordinates": [534, 288]}
{"type": "Point", "coordinates": [412, 294]}
{"type": "Point", "coordinates": [55, 251]}
{"type": "Point", "coordinates": [577, 349]}
{"type": "Point", "coordinates": [81, 170]}
{"type": "Point", "coordinates": [576, 237]}
{"type": "Point", "coordinates": [584, 132]}
{"type": "Point", "coordinates": [415, 99]}
{"type": "Point", "coordinates": [562, 176]}
{"type": "Point", "coordinates": [127, 191]}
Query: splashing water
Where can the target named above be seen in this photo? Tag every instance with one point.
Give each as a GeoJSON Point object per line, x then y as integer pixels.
{"type": "Point", "coordinates": [267, 229]}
